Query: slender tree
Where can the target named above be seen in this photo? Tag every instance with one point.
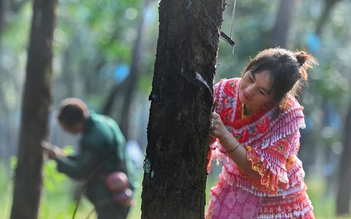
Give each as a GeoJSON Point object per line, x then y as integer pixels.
{"type": "Point", "coordinates": [327, 9]}
{"type": "Point", "coordinates": [282, 24]}
{"type": "Point", "coordinates": [36, 101]}
{"type": "Point", "coordinates": [128, 86]}
{"type": "Point", "coordinates": [344, 188]}
{"type": "Point", "coordinates": [181, 99]}
{"type": "Point", "coordinates": [3, 9]}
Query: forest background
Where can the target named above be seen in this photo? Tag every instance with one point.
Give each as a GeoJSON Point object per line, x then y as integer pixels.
{"type": "Point", "coordinates": [104, 53]}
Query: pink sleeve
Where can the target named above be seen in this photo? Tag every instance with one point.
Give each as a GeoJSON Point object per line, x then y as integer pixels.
{"type": "Point", "coordinates": [271, 162]}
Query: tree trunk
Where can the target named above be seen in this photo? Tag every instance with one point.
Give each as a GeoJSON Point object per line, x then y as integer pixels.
{"type": "Point", "coordinates": [134, 75]}
{"type": "Point", "coordinates": [3, 10]}
{"type": "Point", "coordinates": [328, 7]}
{"type": "Point", "coordinates": [37, 97]}
{"type": "Point", "coordinates": [280, 31]}
{"type": "Point", "coordinates": [127, 88]}
{"type": "Point", "coordinates": [344, 180]}
{"type": "Point", "coordinates": [175, 166]}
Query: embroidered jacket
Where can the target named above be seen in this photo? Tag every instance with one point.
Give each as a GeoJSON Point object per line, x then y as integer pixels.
{"type": "Point", "coordinates": [272, 143]}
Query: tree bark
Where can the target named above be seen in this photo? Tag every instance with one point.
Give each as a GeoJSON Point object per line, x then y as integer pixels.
{"type": "Point", "coordinates": [344, 184]}
{"type": "Point", "coordinates": [175, 166]}
{"type": "Point", "coordinates": [37, 98]}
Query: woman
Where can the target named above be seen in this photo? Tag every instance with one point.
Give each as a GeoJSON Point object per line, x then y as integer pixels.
{"type": "Point", "coordinates": [255, 134]}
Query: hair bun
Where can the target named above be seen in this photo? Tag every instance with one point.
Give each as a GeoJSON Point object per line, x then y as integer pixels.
{"type": "Point", "coordinates": [301, 57]}
{"type": "Point", "coordinates": [305, 61]}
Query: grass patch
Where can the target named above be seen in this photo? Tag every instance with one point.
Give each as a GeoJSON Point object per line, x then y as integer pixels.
{"type": "Point", "coordinates": [57, 197]}
{"type": "Point", "coordinates": [324, 206]}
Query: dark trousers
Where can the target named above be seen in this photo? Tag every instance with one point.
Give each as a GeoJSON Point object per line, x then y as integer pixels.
{"type": "Point", "coordinates": [101, 198]}
{"type": "Point", "coordinates": [111, 210]}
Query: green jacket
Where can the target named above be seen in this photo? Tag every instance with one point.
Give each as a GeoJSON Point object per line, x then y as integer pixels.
{"type": "Point", "coordinates": [102, 151]}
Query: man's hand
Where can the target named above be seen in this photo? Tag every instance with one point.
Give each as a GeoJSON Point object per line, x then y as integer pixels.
{"type": "Point", "coordinates": [52, 151]}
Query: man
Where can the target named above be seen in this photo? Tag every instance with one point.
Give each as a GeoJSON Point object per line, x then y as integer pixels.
{"type": "Point", "coordinates": [102, 152]}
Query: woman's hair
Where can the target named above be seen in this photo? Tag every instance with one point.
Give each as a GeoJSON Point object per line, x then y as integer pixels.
{"type": "Point", "coordinates": [72, 111]}
{"type": "Point", "coordinates": [287, 69]}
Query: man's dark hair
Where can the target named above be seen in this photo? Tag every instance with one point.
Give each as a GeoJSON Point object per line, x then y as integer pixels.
{"type": "Point", "coordinates": [72, 111]}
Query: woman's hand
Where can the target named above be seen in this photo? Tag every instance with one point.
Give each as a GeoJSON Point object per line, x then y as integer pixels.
{"type": "Point", "coordinates": [237, 152]}
{"type": "Point", "coordinates": [217, 128]}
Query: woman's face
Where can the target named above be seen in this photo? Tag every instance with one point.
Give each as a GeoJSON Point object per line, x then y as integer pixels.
{"type": "Point", "coordinates": [255, 90]}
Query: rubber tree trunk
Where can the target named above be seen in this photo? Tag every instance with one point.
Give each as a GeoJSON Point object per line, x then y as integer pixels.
{"type": "Point", "coordinates": [282, 24]}
{"type": "Point", "coordinates": [174, 180]}
{"type": "Point", "coordinates": [327, 9]}
{"type": "Point", "coordinates": [128, 87]}
{"type": "Point", "coordinates": [134, 75]}
{"type": "Point", "coordinates": [344, 179]}
{"type": "Point", "coordinates": [36, 102]}
{"type": "Point", "coordinates": [3, 11]}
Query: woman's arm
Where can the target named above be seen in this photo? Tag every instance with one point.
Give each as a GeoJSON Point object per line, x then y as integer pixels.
{"type": "Point", "coordinates": [236, 151]}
